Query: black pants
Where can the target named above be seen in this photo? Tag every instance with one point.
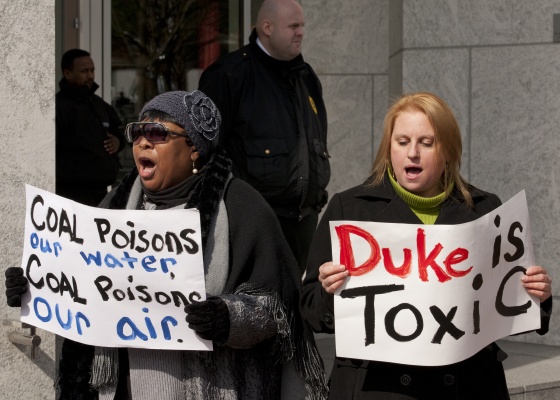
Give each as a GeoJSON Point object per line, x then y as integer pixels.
{"type": "Point", "coordinates": [299, 235]}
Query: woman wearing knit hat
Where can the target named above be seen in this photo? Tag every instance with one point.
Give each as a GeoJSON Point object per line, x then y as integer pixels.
{"type": "Point", "coordinates": [262, 349]}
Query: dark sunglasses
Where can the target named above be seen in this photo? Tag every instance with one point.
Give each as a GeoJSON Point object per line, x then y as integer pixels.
{"type": "Point", "coordinates": [154, 132]}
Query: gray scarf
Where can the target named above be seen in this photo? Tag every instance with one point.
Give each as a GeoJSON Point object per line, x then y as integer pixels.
{"type": "Point", "coordinates": [104, 373]}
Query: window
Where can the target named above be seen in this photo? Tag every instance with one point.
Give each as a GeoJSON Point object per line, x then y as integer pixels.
{"type": "Point", "coordinates": [159, 46]}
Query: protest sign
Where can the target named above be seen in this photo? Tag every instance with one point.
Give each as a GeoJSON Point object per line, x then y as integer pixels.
{"type": "Point", "coordinates": [115, 278]}
{"type": "Point", "coordinates": [433, 294]}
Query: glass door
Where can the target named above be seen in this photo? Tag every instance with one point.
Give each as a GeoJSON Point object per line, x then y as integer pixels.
{"type": "Point", "coordinates": [159, 46]}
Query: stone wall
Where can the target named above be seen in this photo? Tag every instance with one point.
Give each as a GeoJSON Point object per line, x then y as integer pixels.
{"type": "Point", "coordinates": [495, 64]}
{"type": "Point", "coordinates": [346, 42]}
{"type": "Point", "coordinates": [27, 85]}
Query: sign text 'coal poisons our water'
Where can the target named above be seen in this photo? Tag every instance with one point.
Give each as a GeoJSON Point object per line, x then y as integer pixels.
{"type": "Point", "coordinates": [118, 278]}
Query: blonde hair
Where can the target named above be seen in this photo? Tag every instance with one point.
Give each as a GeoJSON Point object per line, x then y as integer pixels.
{"type": "Point", "coordinates": [448, 140]}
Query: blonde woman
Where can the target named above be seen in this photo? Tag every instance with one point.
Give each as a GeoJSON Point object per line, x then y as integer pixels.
{"type": "Point", "coordinates": [415, 179]}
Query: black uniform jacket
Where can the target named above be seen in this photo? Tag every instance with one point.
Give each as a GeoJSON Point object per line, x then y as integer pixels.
{"type": "Point", "coordinates": [480, 376]}
{"type": "Point", "coordinates": [274, 126]}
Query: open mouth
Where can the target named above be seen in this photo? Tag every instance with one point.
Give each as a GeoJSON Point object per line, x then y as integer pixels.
{"type": "Point", "coordinates": [413, 171]}
{"type": "Point", "coordinates": [146, 163]}
{"type": "Point", "coordinates": [146, 167]}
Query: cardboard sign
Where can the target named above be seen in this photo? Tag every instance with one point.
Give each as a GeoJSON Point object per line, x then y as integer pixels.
{"type": "Point", "coordinates": [433, 294]}
{"type": "Point", "coordinates": [115, 278]}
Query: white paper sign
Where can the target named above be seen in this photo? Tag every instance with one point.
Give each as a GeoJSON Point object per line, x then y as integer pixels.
{"type": "Point", "coordinates": [115, 278]}
{"type": "Point", "coordinates": [433, 294]}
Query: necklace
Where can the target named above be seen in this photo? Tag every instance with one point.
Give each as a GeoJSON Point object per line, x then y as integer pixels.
{"type": "Point", "coordinates": [144, 200]}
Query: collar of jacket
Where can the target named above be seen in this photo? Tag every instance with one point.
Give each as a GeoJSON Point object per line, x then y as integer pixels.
{"type": "Point", "coordinates": [453, 210]}
{"type": "Point", "coordinates": [286, 68]}
{"type": "Point", "coordinates": [77, 91]}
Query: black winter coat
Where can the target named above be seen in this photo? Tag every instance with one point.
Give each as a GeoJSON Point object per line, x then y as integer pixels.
{"type": "Point", "coordinates": [274, 126]}
{"type": "Point", "coordinates": [479, 377]}
{"type": "Point", "coordinates": [83, 120]}
{"type": "Point", "coordinates": [260, 263]}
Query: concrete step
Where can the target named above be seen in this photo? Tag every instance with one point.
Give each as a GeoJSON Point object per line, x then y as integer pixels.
{"type": "Point", "coordinates": [532, 370]}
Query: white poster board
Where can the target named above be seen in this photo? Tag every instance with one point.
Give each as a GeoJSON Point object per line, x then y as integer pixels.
{"type": "Point", "coordinates": [115, 278]}
{"type": "Point", "coordinates": [433, 294]}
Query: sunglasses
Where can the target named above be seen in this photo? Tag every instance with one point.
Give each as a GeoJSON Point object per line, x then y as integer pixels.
{"type": "Point", "coordinates": [154, 132]}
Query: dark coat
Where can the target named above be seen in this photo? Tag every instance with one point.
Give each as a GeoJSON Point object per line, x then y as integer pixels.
{"type": "Point", "coordinates": [274, 126]}
{"type": "Point", "coordinates": [83, 120]}
{"type": "Point", "coordinates": [481, 376]}
{"type": "Point", "coordinates": [260, 264]}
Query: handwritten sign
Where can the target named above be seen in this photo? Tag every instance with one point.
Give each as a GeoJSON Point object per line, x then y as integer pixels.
{"type": "Point", "coordinates": [433, 294]}
{"type": "Point", "coordinates": [115, 278]}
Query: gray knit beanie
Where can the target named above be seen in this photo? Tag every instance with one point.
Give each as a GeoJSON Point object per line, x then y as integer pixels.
{"type": "Point", "coordinates": [195, 112]}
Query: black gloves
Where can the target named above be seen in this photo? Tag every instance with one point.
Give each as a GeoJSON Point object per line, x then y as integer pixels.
{"type": "Point", "coordinates": [16, 285]}
{"type": "Point", "coordinates": [209, 319]}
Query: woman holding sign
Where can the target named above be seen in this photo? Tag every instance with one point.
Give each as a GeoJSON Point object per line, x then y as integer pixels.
{"type": "Point", "coordinates": [415, 179]}
{"type": "Point", "coordinates": [261, 347]}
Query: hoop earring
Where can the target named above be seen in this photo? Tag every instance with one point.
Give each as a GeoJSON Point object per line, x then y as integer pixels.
{"type": "Point", "coordinates": [194, 170]}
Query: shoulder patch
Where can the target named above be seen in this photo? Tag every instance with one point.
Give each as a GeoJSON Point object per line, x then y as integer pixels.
{"type": "Point", "coordinates": [313, 106]}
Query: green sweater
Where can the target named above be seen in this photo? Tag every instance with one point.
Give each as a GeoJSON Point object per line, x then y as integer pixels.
{"type": "Point", "coordinates": [425, 208]}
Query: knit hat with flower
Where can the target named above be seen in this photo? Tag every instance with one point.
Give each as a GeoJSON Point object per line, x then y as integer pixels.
{"type": "Point", "coordinates": [195, 112]}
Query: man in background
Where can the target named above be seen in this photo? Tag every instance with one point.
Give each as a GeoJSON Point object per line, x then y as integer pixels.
{"type": "Point", "coordinates": [88, 133]}
{"type": "Point", "coordinates": [274, 121]}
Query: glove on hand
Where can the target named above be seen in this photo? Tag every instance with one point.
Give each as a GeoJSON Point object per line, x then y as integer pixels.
{"type": "Point", "coordinates": [209, 319]}
{"type": "Point", "coordinates": [16, 285]}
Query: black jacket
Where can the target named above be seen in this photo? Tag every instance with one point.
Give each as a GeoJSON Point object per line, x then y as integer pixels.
{"type": "Point", "coordinates": [82, 122]}
{"type": "Point", "coordinates": [274, 126]}
{"type": "Point", "coordinates": [456, 381]}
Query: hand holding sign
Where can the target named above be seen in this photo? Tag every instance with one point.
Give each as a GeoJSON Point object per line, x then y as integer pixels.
{"type": "Point", "coordinates": [537, 282]}
{"type": "Point", "coordinates": [16, 285]}
{"type": "Point", "coordinates": [332, 276]}
{"type": "Point", "coordinates": [209, 319]}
